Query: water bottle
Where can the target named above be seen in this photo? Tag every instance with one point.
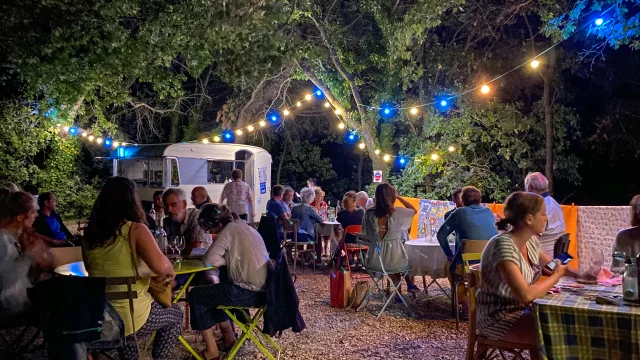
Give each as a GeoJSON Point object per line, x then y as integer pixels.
{"type": "Point", "coordinates": [161, 236]}
{"type": "Point", "coordinates": [630, 281]}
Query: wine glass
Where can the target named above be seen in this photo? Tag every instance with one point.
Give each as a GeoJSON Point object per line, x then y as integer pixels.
{"type": "Point", "coordinates": [171, 243]}
{"type": "Point", "coordinates": [179, 245]}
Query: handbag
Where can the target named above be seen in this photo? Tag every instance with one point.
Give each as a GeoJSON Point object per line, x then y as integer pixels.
{"type": "Point", "coordinates": [339, 287]}
{"type": "Point", "coordinates": [159, 289]}
{"type": "Point", "coordinates": [359, 294]}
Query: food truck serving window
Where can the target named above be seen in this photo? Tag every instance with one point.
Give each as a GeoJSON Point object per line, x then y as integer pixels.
{"type": "Point", "coordinates": [219, 171]}
{"type": "Point", "coordinates": [142, 171]}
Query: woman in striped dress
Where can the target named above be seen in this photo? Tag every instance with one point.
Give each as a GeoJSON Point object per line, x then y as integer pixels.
{"type": "Point", "coordinates": [511, 266]}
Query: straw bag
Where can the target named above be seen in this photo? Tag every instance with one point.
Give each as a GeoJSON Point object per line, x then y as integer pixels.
{"type": "Point", "coordinates": [159, 289]}
{"type": "Point", "coordinates": [359, 293]}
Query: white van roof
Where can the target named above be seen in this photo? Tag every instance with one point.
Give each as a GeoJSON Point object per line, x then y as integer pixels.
{"type": "Point", "coordinates": [183, 150]}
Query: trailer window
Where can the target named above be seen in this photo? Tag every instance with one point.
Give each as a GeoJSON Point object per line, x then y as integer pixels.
{"type": "Point", "coordinates": [219, 171]}
{"type": "Point", "coordinates": [175, 173]}
{"type": "Point", "coordinates": [135, 169]}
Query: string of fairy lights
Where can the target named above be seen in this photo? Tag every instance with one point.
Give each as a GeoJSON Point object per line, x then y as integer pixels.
{"type": "Point", "coordinates": [442, 103]}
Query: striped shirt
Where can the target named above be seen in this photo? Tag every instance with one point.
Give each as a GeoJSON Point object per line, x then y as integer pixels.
{"type": "Point", "coordinates": [498, 309]}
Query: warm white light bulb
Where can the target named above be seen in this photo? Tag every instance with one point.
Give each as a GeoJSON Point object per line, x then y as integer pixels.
{"type": "Point", "coordinates": [250, 127]}
{"type": "Point", "coordinates": [262, 123]}
{"type": "Point", "coordinates": [116, 144]}
{"type": "Point", "coordinates": [91, 138]}
{"type": "Point", "coordinates": [216, 138]}
{"type": "Point", "coordinates": [298, 104]}
{"type": "Point", "coordinates": [84, 134]}
{"type": "Point", "coordinates": [377, 152]}
{"type": "Point", "coordinates": [485, 89]}
{"type": "Point", "coordinates": [238, 132]}
{"type": "Point", "coordinates": [326, 104]}
{"type": "Point", "coordinates": [205, 141]}
{"type": "Point", "coordinates": [66, 129]}
{"type": "Point", "coordinates": [434, 157]}
{"type": "Point", "coordinates": [535, 63]}
{"type": "Point", "coordinates": [99, 140]}
{"type": "Point", "coordinates": [338, 112]}
{"type": "Point", "coordinates": [307, 97]}
{"type": "Point", "coordinates": [362, 146]}
{"type": "Point", "coordinates": [413, 111]}
{"type": "Point", "coordinates": [341, 126]}
{"type": "Point", "coordinates": [285, 112]}
{"type": "Point", "coordinates": [452, 148]}
{"type": "Point", "coordinates": [387, 158]}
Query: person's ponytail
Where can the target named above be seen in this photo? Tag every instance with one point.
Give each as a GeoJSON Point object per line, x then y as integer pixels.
{"type": "Point", "coordinates": [503, 224]}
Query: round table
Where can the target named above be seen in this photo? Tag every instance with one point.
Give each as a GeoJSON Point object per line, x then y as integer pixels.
{"type": "Point", "coordinates": [426, 258]}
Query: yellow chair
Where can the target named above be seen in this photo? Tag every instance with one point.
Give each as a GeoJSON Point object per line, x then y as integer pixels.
{"type": "Point", "coordinates": [487, 348]}
{"type": "Point", "coordinates": [251, 330]}
{"type": "Point", "coordinates": [471, 251]}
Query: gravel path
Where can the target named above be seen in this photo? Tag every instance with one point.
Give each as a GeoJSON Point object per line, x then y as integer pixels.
{"type": "Point", "coordinates": [426, 331]}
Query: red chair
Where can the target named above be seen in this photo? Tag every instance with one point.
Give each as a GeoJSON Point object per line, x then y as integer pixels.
{"type": "Point", "coordinates": [352, 247]}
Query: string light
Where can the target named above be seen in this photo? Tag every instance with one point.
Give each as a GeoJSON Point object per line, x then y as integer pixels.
{"type": "Point", "coordinates": [599, 21]}
{"type": "Point", "coordinates": [91, 137]}
{"type": "Point", "coordinates": [73, 130]}
{"type": "Point", "coordinates": [66, 129]}
{"type": "Point", "coordinates": [307, 97]}
{"type": "Point", "coordinates": [84, 134]}
{"type": "Point", "coordinates": [285, 112]}
{"type": "Point", "coordinates": [107, 142]}
{"type": "Point", "coordinates": [402, 161]}
{"type": "Point", "coordinates": [362, 146]}
{"type": "Point", "coordinates": [338, 112]}
{"type": "Point", "coordinates": [238, 132]}
{"type": "Point", "coordinates": [414, 111]}
{"type": "Point", "coordinates": [58, 125]}
{"type": "Point", "coordinates": [535, 63]}
{"type": "Point", "coordinates": [434, 156]}
{"type": "Point", "coordinates": [485, 89]}
{"type": "Point", "coordinates": [443, 103]}
{"type": "Point", "coordinates": [386, 158]}
{"type": "Point", "coordinates": [99, 140]}
{"type": "Point", "coordinates": [341, 126]}
{"type": "Point", "coordinates": [387, 111]}
{"type": "Point", "coordinates": [318, 92]}
{"type": "Point", "coordinates": [262, 123]}
{"type": "Point", "coordinates": [216, 138]}
{"type": "Point", "coordinates": [298, 104]}
{"type": "Point", "coordinates": [250, 127]}
{"type": "Point", "coordinates": [452, 148]}
{"type": "Point", "coordinates": [116, 144]}
{"type": "Point", "coordinates": [205, 141]}
{"type": "Point", "coordinates": [377, 152]}
{"type": "Point", "coordinates": [326, 104]}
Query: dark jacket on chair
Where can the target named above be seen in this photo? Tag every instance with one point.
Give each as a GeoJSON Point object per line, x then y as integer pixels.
{"type": "Point", "coordinates": [282, 301]}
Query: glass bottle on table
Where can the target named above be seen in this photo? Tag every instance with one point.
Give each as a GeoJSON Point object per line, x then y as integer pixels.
{"type": "Point", "coordinates": [630, 280]}
{"type": "Point", "coordinates": [161, 235]}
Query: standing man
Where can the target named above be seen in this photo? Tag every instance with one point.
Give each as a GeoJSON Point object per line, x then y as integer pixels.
{"type": "Point", "coordinates": [556, 227]}
{"type": "Point", "coordinates": [200, 197]}
{"type": "Point", "coordinates": [49, 223]}
{"type": "Point", "coordinates": [238, 195]}
{"type": "Point", "coordinates": [181, 221]}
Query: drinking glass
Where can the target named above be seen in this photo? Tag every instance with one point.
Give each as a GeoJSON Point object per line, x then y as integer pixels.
{"type": "Point", "coordinates": [171, 245]}
{"type": "Point", "coordinates": [179, 246]}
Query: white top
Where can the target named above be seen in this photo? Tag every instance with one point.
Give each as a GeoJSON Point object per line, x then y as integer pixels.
{"type": "Point", "coordinates": [241, 249]}
{"type": "Point", "coordinates": [13, 276]}
{"type": "Point", "coordinates": [556, 226]}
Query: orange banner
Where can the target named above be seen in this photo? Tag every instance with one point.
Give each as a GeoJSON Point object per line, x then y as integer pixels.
{"type": "Point", "coordinates": [413, 232]}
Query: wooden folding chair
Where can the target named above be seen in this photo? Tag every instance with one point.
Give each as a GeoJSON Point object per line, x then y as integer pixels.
{"type": "Point", "coordinates": [250, 329]}
{"type": "Point", "coordinates": [471, 254]}
{"type": "Point", "coordinates": [487, 348]}
{"type": "Point", "coordinates": [295, 247]}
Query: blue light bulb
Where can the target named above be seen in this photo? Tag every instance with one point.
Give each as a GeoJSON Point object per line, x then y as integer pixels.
{"type": "Point", "coordinates": [318, 92]}
{"type": "Point", "coordinates": [227, 136]}
{"type": "Point", "coordinates": [599, 21]}
{"type": "Point", "coordinates": [351, 136]}
{"type": "Point", "coordinates": [73, 130]}
{"type": "Point", "coordinates": [107, 142]}
{"type": "Point", "coordinates": [387, 111]}
{"type": "Point", "coordinates": [403, 160]}
{"type": "Point", "coordinates": [443, 103]}
{"type": "Point", "coordinates": [274, 118]}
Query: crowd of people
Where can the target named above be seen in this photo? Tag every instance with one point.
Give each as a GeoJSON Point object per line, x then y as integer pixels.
{"type": "Point", "coordinates": [119, 240]}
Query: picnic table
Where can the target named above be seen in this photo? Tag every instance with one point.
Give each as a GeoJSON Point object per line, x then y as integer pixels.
{"type": "Point", "coordinates": [571, 325]}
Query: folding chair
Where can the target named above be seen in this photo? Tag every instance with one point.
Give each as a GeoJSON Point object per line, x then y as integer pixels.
{"type": "Point", "coordinates": [380, 277]}
{"type": "Point", "coordinates": [487, 348]}
{"type": "Point", "coordinates": [351, 248]}
{"type": "Point", "coordinates": [251, 330]}
{"type": "Point", "coordinates": [296, 248]}
{"type": "Point", "coordinates": [471, 254]}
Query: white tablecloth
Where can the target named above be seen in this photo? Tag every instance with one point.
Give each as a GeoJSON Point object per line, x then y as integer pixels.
{"type": "Point", "coordinates": [327, 229]}
{"type": "Point", "coordinates": [426, 258]}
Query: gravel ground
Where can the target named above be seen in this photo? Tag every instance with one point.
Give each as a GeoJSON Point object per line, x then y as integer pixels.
{"type": "Point", "coordinates": [425, 331]}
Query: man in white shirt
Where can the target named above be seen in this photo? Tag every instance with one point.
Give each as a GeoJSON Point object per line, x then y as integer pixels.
{"type": "Point", "coordinates": [363, 201]}
{"type": "Point", "coordinates": [556, 227]}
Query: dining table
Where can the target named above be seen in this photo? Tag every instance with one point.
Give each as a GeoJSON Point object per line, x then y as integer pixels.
{"type": "Point", "coordinates": [327, 228]}
{"type": "Point", "coordinates": [573, 325]}
{"type": "Point", "coordinates": [426, 258]}
{"type": "Point", "coordinates": [186, 266]}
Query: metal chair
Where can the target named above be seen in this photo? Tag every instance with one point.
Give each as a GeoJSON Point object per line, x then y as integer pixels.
{"type": "Point", "coordinates": [487, 348]}
{"type": "Point", "coordinates": [380, 277]}
{"type": "Point", "coordinates": [351, 248]}
{"type": "Point", "coordinates": [250, 329]}
{"type": "Point", "coordinates": [292, 226]}
{"type": "Point", "coordinates": [471, 254]}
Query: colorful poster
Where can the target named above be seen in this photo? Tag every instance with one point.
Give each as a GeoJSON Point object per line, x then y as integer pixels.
{"type": "Point", "coordinates": [262, 174]}
{"type": "Point", "coordinates": [431, 216]}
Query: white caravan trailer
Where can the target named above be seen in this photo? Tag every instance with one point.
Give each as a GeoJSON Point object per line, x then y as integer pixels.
{"type": "Point", "coordinates": [187, 165]}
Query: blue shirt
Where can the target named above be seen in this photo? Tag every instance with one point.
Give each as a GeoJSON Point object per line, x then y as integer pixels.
{"type": "Point", "coordinates": [473, 222]}
{"type": "Point", "coordinates": [55, 227]}
{"type": "Point", "coordinates": [275, 208]}
{"type": "Point", "coordinates": [307, 216]}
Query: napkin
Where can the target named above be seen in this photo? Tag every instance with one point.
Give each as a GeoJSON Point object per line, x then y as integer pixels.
{"type": "Point", "coordinates": [605, 278]}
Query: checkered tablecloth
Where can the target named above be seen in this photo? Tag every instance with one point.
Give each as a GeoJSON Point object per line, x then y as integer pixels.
{"type": "Point", "coordinates": [571, 326]}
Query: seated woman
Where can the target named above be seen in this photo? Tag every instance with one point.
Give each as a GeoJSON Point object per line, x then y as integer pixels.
{"type": "Point", "coordinates": [628, 240]}
{"type": "Point", "coordinates": [349, 215]}
{"type": "Point", "coordinates": [387, 222]}
{"type": "Point", "coordinates": [117, 242]}
{"type": "Point", "coordinates": [511, 266]}
{"type": "Point", "coordinates": [17, 213]}
{"type": "Point", "coordinates": [240, 248]}
{"type": "Point", "coordinates": [306, 214]}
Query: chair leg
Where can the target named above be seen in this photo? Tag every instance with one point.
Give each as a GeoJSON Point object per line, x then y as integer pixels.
{"type": "Point", "coordinates": [456, 308]}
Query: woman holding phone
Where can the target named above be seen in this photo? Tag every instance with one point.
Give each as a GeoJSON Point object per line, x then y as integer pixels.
{"type": "Point", "coordinates": [511, 266]}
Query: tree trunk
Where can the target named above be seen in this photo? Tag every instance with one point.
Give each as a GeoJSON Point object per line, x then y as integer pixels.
{"type": "Point", "coordinates": [175, 128]}
{"type": "Point", "coordinates": [548, 122]}
{"type": "Point", "coordinates": [282, 156]}
{"type": "Point", "coordinates": [360, 171]}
